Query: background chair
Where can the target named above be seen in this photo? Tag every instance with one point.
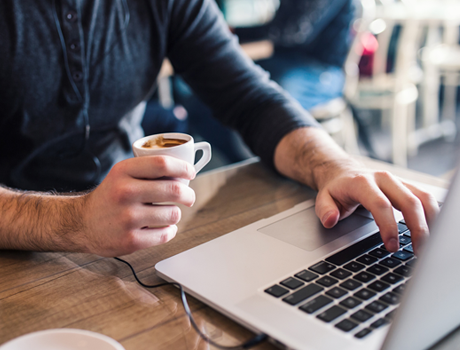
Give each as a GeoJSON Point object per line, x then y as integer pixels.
{"type": "Point", "coordinates": [391, 90]}
{"type": "Point", "coordinates": [441, 65]}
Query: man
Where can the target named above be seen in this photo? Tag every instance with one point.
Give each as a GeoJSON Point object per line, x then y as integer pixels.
{"type": "Point", "coordinates": [73, 78]}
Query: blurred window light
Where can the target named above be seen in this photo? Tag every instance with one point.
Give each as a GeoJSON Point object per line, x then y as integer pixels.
{"type": "Point", "coordinates": [377, 26]}
{"type": "Point", "coordinates": [249, 13]}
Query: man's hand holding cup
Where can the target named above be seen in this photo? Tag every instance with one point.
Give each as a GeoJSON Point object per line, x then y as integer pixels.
{"type": "Point", "coordinates": [134, 207]}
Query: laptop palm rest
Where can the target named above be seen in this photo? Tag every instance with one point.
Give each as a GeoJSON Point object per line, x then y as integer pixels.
{"type": "Point", "coordinates": [297, 229]}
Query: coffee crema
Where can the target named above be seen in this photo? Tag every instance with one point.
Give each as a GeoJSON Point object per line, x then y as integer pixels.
{"type": "Point", "coordinates": [161, 142]}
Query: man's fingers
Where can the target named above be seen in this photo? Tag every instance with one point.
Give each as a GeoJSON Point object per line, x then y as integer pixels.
{"type": "Point", "coordinates": [154, 167]}
{"type": "Point", "coordinates": [374, 200]}
{"type": "Point", "coordinates": [326, 209]}
{"type": "Point", "coordinates": [430, 204]}
{"type": "Point", "coordinates": [408, 203]}
{"type": "Point", "coordinates": [148, 237]}
{"type": "Point", "coordinates": [154, 191]}
{"type": "Point", "coordinates": [149, 216]}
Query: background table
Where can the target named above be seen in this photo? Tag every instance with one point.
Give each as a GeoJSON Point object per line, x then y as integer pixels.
{"type": "Point", "coordinates": [62, 290]}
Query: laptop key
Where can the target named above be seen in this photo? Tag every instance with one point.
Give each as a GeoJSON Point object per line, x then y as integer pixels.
{"type": "Point", "coordinates": [350, 302]}
{"type": "Point", "coordinates": [336, 292]}
{"type": "Point", "coordinates": [402, 227]}
{"type": "Point", "coordinates": [390, 315]}
{"type": "Point", "coordinates": [379, 253]}
{"type": "Point", "coordinates": [391, 278]}
{"type": "Point", "coordinates": [351, 284]}
{"type": "Point", "coordinates": [390, 262]}
{"type": "Point", "coordinates": [322, 267]}
{"type": "Point", "coordinates": [379, 323]}
{"type": "Point", "coordinates": [355, 250]}
{"type": "Point", "coordinates": [302, 294]}
{"type": "Point", "coordinates": [403, 240]}
{"type": "Point", "coordinates": [315, 304]}
{"type": "Point", "coordinates": [403, 271]}
{"type": "Point", "coordinates": [331, 313]}
{"type": "Point", "coordinates": [402, 255]}
{"type": "Point", "coordinates": [306, 275]}
{"type": "Point", "coordinates": [409, 249]}
{"type": "Point", "coordinates": [378, 269]}
{"type": "Point", "coordinates": [378, 286]}
{"type": "Point", "coordinates": [376, 307]}
{"type": "Point", "coordinates": [340, 274]}
{"type": "Point", "coordinates": [366, 259]}
{"type": "Point", "coordinates": [276, 291]}
{"type": "Point", "coordinates": [390, 298]}
{"type": "Point", "coordinates": [362, 333]}
{"type": "Point", "coordinates": [399, 289]}
{"type": "Point", "coordinates": [354, 266]}
{"type": "Point", "coordinates": [327, 281]}
{"type": "Point", "coordinates": [412, 262]}
{"type": "Point", "coordinates": [364, 277]}
{"type": "Point", "coordinates": [346, 325]}
{"type": "Point", "coordinates": [361, 316]}
{"type": "Point", "coordinates": [407, 233]}
{"type": "Point", "coordinates": [364, 294]}
{"type": "Point", "coordinates": [292, 283]}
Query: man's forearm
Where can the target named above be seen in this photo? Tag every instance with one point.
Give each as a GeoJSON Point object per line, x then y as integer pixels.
{"type": "Point", "coordinates": [40, 221]}
{"type": "Point", "coordinates": [309, 155]}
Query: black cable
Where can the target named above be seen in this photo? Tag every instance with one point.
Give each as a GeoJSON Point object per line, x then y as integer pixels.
{"type": "Point", "coordinates": [248, 344]}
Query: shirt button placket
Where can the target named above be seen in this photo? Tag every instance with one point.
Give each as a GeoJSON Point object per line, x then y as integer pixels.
{"type": "Point", "coordinates": [71, 16]}
{"type": "Point", "coordinates": [71, 26]}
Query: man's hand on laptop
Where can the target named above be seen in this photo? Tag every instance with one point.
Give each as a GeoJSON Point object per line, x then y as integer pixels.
{"type": "Point", "coordinates": [310, 156]}
{"type": "Point", "coordinates": [117, 218]}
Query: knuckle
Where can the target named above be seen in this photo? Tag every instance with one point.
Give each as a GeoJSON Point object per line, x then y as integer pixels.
{"type": "Point", "coordinates": [131, 242]}
{"type": "Point", "coordinates": [123, 193]}
{"type": "Point", "coordinates": [361, 180]}
{"type": "Point", "coordinates": [175, 189]}
{"type": "Point", "coordinates": [427, 197]}
{"type": "Point", "coordinates": [118, 168]}
{"type": "Point", "coordinates": [175, 215]}
{"type": "Point", "coordinates": [167, 235]}
{"type": "Point", "coordinates": [412, 202]}
{"type": "Point", "coordinates": [162, 163]}
{"type": "Point", "coordinates": [420, 228]}
{"type": "Point", "coordinates": [129, 218]}
{"type": "Point", "coordinates": [383, 203]}
{"type": "Point", "coordinates": [189, 169]}
{"type": "Point", "coordinates": [383, 174]}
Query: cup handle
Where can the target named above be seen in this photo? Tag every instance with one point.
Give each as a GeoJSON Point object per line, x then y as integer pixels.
{"type": "Point", "coordinates": [205, 158]}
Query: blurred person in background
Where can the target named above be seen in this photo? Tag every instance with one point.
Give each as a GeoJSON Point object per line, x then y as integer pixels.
{"type": "Point", "coordinates": [311, 41]}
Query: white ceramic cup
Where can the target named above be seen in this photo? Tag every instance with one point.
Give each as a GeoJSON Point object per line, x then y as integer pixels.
{"type": "Point", "coordinates": [185, 151]}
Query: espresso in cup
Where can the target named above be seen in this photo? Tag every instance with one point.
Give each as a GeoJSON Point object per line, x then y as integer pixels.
{"type": "Point", "coordinates": [176, 145]}
{"type": "Point", "coordinates": [162, 142]}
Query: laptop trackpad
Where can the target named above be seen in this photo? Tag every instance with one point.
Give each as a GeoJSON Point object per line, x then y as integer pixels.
{"type": "Point", "coordinates": [304, 229]}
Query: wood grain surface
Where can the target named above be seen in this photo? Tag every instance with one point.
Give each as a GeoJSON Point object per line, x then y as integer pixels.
{"type": "Point", "coordinates": [41, 291]}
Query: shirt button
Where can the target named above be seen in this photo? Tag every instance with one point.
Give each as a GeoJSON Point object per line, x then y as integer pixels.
{"type": "Point", "coordinates": [74, 46]}
{"type": "Point", "coordinates": [71, 16]}
{"type": "Point", "coordinates": [77, 75]}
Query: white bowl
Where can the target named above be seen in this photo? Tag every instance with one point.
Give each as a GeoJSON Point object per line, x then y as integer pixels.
{"type": "Point", "coordinates": [62, 339]}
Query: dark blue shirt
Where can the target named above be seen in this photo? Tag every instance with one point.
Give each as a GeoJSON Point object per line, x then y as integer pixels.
{"type": "Point", "coordinates": [75, 75]}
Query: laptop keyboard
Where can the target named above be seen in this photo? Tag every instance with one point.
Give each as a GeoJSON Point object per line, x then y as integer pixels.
{"type": "Point", "coordinates": [357, 289]}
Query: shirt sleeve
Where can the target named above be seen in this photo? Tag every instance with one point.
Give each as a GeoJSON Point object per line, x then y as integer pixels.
{"type": "Point", "coordinates": [241, 95]}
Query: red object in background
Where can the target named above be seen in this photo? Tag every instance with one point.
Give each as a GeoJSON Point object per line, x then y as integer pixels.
{"type": "Point", "coordinates": [370, 45]}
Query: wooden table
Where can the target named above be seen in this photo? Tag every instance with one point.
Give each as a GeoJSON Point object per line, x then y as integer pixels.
{"type": "Point", "coordinates": [62, 290]}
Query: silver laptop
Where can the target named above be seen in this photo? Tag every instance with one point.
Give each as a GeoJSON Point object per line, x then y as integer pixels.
{"type": "Point", "coordinates": [311, 288]}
